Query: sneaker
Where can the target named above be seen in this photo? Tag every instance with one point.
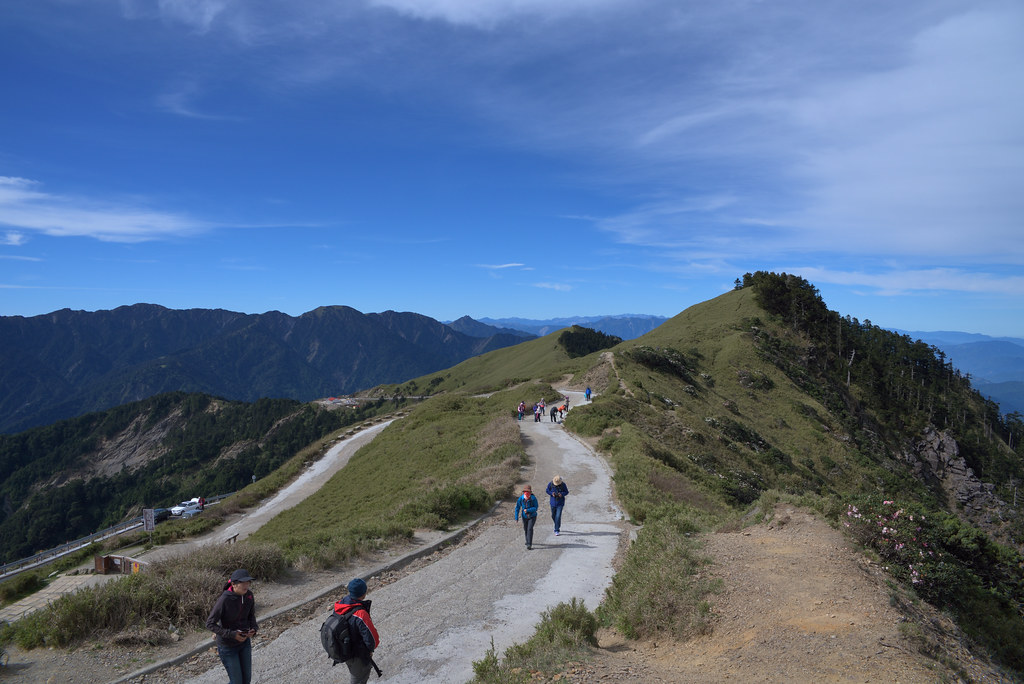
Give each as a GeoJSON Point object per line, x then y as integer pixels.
{"type": "Point", "coordinates": [556, 533]}
{"type": "Point", "coordinates": [529, 548]}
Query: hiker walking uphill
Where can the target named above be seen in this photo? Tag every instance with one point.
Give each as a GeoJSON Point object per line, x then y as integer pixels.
{"type": "Point", "coordinates": [557, 491]}
{"type": "Point", "coordinates": [527, 505]}
{"type": "Point", "coordinates": [233, 620]}
{"type": "Point", "coordinates": [363, 634]}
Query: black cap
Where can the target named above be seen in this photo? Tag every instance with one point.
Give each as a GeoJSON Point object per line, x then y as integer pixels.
{"type": "Point", "coordinates": [241, 575]}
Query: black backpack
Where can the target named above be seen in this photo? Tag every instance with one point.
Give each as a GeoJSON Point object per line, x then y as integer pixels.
{"type": "Point", "coordinates": [336, 636]}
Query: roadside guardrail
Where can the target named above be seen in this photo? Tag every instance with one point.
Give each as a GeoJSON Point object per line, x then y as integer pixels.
{"type": "Point", "coordinates": [50, 555]}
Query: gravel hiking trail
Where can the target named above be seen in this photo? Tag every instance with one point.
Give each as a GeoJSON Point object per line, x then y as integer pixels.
{"type": "Point", "coordinates": [436, 621]}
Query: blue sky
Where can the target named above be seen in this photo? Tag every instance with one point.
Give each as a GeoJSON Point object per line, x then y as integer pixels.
{"type": "Point", "coordinates": [529, 158]}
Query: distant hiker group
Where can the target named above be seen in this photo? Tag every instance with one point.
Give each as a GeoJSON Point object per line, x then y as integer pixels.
{"type": "Point", "coordinates": [556, 411]}
{"type": "Point", "coordinates": [527, 507]}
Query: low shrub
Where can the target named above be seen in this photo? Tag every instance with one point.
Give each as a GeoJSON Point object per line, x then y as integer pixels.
{"type": "Point", "coordinates": [660, 588]}
{"type": "Point", "coordinates": [139, 608]}
{"type": "Point", "coordinates": [952, 565]}
{"type": "Point", "coordinates": [565, 633]}
{"type": "Point", "coordinates": [442, 507]}
{"type": "Point", "coordinates": [20, 587]}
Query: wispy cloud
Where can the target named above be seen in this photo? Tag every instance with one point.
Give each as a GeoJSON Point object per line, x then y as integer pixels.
{"type": "Point", "coordinates": [899, 281]}
{"type": "Point", "coordinates": [180, 100]}
{"type": "Point", "coordinates": [560, 287]}
{"type": "Point", "coordinates": [490, 13]}
{"type": "Point", "coordinates": [926, 157]}
{"type": "Point", "coordinates": [499, 267]}
{"type": "Point", "coordinates": [24, 207]}
{"type": "Point", "coordinates": [12, 238]}
{"type": "Point", "coordinates": [199, 15]}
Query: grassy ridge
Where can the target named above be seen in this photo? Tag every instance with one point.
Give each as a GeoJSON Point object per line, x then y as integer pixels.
{"type": "Point", "coordinates": [540, 359]}
{"type": "Point", "coordinates": [451, 457]}
{"type": "Point", "coordinates": [706, 427]}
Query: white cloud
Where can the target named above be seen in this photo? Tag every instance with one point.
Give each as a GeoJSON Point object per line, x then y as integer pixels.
{"type": "Point", "coordinates": [560, 287]}
{"type": "Point", "coordinates": [24, 207]}
{"type": "Point", "coordinates": [498, 267]}
{"type": "Point", "coordinates": [901, 281]}
{"type": "Point", "coordinates": [180, 100]}
{"type": "Point", "coordinates": [197, 14]}
{"type": "Point", "coordinates": [899, 143]}
{"type": "Point", "coordinates": [925, 158]}
{"type": "Point", "coordinates": [12, 238]}
{"type": "Point", "coordinates": [490, 13]}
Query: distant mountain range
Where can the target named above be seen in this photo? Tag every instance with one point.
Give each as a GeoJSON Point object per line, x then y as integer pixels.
{"type": "Point", "coordinates": [996, 364]}
{"type": "Point", "coordinates": [68, 363]}
{"type": "Point", "coordinates": [626, 326]}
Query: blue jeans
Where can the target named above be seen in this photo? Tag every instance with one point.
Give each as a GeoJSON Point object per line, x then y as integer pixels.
{"type": "Point", "coordinates": [556, 517]}
{"type": "Point", "coordinates": [237, 661]}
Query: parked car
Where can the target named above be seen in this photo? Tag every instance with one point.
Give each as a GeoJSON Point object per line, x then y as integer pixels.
{"type": "Point", "coordinates": [161, 514]}
{"type": "Point", "coordinates": [191, 512]}
{"type": "Point", "coordinates": [185, 506]}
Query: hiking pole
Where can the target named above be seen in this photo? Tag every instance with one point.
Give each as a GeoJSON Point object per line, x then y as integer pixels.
{"type": "Point", "coordinates": [377, 669]}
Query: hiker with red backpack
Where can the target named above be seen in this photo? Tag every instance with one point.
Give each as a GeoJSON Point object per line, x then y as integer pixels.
{"type": "Point", "coordinates": [365, 639]}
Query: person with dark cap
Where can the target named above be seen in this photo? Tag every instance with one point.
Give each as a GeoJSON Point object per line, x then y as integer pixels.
{"type": "Point", "coordinates": [364, 634]}
{"type": "Point", "coordinates": [233, 620]}
{"type": "Point", "coordinates": [527, 504]}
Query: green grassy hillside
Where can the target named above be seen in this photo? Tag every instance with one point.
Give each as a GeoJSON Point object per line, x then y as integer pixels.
{"type": "Point", "coordinates": [751, 397]}
{"type": "Point", "coordinates": [540, 359]}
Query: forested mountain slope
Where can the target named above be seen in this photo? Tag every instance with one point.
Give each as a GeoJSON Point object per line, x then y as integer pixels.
{"type": "Point", "coordinates": [74, 477]}
{"type": "Point", "coordinates": [68, 363]}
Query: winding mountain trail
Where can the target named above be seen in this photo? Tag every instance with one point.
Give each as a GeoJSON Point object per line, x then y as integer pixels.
{"type": "Point", "coordinates": [289, 496]}
{"type": "Point", "coordinates": [436, 621]}
{"type": "Point", "coordinates": [798, 603]}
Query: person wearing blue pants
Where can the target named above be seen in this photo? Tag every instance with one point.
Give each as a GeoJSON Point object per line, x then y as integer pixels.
{"type": "Point", "coordinates": [528, 505]}
{"type": "Point", "coordinates": [233, 620]}
{"type": "Point", "coordinates": [557, 491]}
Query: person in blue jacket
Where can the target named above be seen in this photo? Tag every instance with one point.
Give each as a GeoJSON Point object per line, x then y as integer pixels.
{"type": "Point", "coordinates": [528, 505]}
{"type": "Point", "coordinates": [557, 491]}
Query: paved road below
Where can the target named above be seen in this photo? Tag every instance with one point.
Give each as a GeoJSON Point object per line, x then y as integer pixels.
{"type": "Point", "coordinates": [435, 622]}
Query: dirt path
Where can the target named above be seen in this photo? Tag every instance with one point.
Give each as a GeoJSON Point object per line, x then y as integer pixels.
{"type": "Point", "coordinates": [799, 605]}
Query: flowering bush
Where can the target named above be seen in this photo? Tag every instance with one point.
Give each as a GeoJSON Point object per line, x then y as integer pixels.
{"type": "Point", "coordinates": [905, 539]}
{"type": "Point", "coordinates": [951, 564]}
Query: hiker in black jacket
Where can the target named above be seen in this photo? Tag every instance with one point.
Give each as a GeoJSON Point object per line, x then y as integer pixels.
{"type": "Point", "coordinates": [233, 620]}
{"type": "Point", "coordinates": [368, 640]}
